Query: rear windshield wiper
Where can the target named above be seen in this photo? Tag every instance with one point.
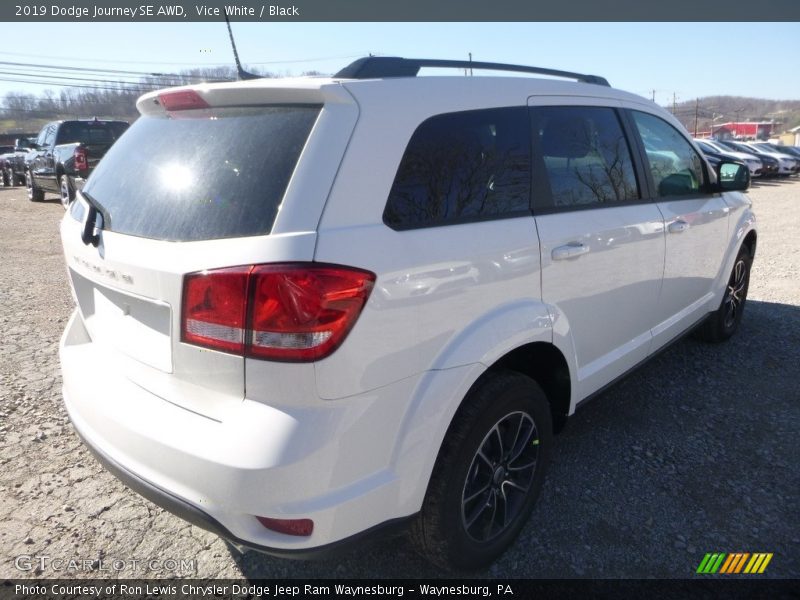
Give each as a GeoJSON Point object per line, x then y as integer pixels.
{"type": "Point", "coordinates": [91, 224]}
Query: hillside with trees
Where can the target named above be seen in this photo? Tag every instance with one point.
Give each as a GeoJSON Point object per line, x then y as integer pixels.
{"type": "Point", "coordinates": [722, 109]}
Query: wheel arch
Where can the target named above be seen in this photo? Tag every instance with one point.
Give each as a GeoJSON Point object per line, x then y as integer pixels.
{"type": "Point", "coordinates": [743, 234]}
{"type": "Point", "coordinates": [521, 337]}
{"type": "Point", "coordinates": [426, 428]}
{"type": "Point", "coordinates": [750, 242]}
{"type": "Point", "coordinates": [546, 365]}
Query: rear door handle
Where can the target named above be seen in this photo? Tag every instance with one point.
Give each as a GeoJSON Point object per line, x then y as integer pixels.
{"type": "Point", "coordinates": [678, 226]}
{"type": "Point", "coordinates": [571, 250]}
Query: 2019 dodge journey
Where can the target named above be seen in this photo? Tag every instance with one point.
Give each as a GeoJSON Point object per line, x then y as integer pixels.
{"type": "Point", "coordinates": [308, 309]}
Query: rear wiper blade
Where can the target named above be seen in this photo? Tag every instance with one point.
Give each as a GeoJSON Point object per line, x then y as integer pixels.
{"type": "Point", "coordinates": [91, 224]}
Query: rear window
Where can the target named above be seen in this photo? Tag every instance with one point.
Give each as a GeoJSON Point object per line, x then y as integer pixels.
{"type": "Point", "coordinates": [90, 132]}
{"type": "Point", "coordinates": [206, 174]}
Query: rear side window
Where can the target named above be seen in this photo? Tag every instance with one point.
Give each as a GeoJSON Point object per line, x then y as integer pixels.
{"type": "Point", "coordinates": [585, 158]}
{"type": "Point", "coordinates": [461, 167]}
{"type": "Point", "coordinates": [206, 174]}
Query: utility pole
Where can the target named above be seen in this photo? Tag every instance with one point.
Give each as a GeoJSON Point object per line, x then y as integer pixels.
{"type": "Point", "coordinates": [653, 95]}
{"type": "Point", "coordinates": [696, 109]}
{"type": "Point", "coordinates": [674, 102]}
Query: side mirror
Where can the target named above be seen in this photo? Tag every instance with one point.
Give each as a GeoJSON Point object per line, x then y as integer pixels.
{"type": "Point", "coordinates": [733, 176]}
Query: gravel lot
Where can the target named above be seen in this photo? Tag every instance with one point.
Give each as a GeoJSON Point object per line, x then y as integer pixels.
{"type": "Point", "coordinates": [696, 452]}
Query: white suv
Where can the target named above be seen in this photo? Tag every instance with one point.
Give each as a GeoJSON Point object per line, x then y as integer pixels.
{"type": "Point", "coordinates": [308, 309]}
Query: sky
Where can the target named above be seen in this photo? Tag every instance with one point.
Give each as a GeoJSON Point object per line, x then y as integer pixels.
{"type": "Point", "coordinates": [681, 61]}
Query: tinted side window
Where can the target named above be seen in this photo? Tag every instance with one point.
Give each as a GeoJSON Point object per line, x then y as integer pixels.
{"type": "Point", "coordinates": [676, 168]}
{"type": "Point", "coordinates": [585, 157]}
{"type": "Point", "coordinates": [462, 167]}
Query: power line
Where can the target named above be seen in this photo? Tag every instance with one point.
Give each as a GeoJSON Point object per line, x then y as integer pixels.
{"type": "Point", "coordinates": [142, 88]}
{"type": "Point", "coordinates": [144, 82]}
{"type": "Point", "coordinates": [198, 64]}
{"type": "Point", "coordinates": [51, 103]}
{"type": "Point", "coordinates": [53, 78]}
{"type": "Point", "coordinates": [107, 60]}
{"type": "Point", "coordinates": [113, 71]}
{"type": "Point", "coordinates": [83, 69]}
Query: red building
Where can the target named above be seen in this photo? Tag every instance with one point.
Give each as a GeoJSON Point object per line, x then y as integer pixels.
{"type": "Point", "coordinates": [749, 130]}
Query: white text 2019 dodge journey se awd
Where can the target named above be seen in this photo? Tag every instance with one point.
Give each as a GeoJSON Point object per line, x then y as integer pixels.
{"type": "Point", "coordinates": [309, 309]}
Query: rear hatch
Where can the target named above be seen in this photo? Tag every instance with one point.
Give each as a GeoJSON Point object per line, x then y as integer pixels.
{"type": "Point", "coordinates": [196, 187]}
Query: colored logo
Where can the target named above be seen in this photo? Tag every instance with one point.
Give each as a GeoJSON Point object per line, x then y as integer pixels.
{"type": "Point", "coordinates": [738, 562]}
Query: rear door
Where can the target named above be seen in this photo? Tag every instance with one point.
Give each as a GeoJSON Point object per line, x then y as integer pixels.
{"type": "Point", "coordinates": [182, 193]}
{"type": "Point", "coordinates": [602, 242]}
{"type": "Point", "coordinates": [696, 224]}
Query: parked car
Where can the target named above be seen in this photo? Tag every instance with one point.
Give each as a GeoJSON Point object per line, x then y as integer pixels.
{"type": "Point", "coordinates": [709, 149]}
{"type": "Point", "coordinates": [65, 153]}
{"type": "Point", "coordinates": [4, 152]}
{"type": "Point", "coordinates": [230, 358]}
{"type": "Point", "coordinates": [792, 151]}
{"type": "Point", "coordinates": [12, 162]}
{"type": "Point", "coordinates": [787, 165]}
{"type": "Point", "coordinates": [771, 164]}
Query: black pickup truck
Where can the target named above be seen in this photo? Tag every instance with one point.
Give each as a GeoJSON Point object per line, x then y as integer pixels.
{"type": "Point", "coordinates": [65, 153]}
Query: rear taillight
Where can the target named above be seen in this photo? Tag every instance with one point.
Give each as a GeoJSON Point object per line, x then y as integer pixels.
{"type": "Point", "coordinates": [295, 312]}
{"type": "Point", "coordinates": [81, 159]}
{"type": "Point", "coordinates": [215, 308]}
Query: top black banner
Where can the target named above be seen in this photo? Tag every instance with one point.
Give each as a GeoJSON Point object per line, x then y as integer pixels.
{"type": "Point", "coordinates": [405, 10]}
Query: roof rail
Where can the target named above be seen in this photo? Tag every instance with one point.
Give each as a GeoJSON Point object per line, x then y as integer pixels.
{"type": "Point", "coordinates": [378, 67]}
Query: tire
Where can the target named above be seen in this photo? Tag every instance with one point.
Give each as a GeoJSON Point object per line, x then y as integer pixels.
{"type": "Point", "coordinates": [488, 474]}
{"type": "Point", "coordinates": [66, 191]}
{"type": "Point", "coordinates": [723, 322]}
{"type": "Point", "coordinates": [35, 194]}
{"type": "Point", "coordinates": [6, 179]}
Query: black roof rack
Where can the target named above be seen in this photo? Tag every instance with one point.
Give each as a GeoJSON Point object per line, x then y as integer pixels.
{"type": "Point", "coordinates": [378, 67]}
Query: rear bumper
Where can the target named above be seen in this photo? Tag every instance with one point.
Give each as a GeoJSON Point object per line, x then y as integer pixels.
{"type": "Point", "coordinates": [181, 508]}
{"type": "Point", "coordinates": [282, 462]}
